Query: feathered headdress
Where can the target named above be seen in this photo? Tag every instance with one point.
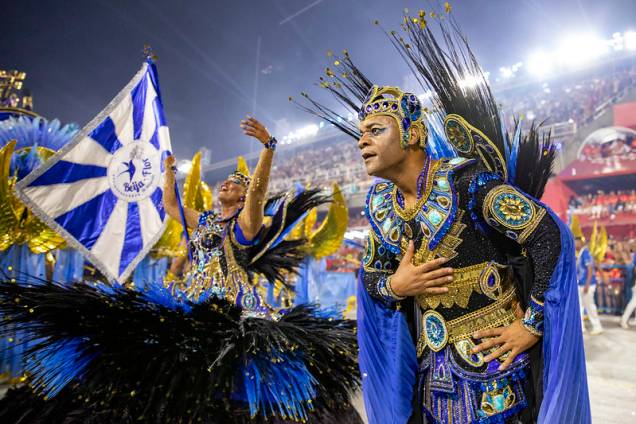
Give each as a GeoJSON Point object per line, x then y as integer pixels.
{"type": "Point", "coordinates": [446, 67]}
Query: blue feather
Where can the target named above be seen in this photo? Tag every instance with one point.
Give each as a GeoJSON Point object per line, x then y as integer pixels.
{"type": "Point", "coordinates": [32, 133]}
{"type": "Point", "coordinates": [514, 153]}
{"type": "Point", "coordinates": [54, 365]}
{"type": "Point", "coordinates": [437, 146]}
{"type": "Point", "coordinates": [282, 385]}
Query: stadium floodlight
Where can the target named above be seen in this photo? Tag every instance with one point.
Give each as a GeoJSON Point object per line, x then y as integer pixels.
{"type": "Point", "coordinates": [540, 64]}
{"type": "Point", "coordinates": [630, 40]}
{"type": "Point", "coordinates": [579, 49]}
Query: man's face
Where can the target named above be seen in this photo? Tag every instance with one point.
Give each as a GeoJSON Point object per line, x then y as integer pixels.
{"type": "Point", "coordinates": [231, 192]}
{"type": "Point", "coordinates": [380, 145]}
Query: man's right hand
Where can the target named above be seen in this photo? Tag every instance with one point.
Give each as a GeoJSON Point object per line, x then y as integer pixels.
{"type": "Point", "coordinates": [428, 278]}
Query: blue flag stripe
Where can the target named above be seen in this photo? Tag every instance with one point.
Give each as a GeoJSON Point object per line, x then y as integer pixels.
{"type": "Point", "coordinates": [157, 201]}
{"type": "Point", "coordinates": [106, 135]}
{"type": "Point", "coordinates": [99, 208]}
{"type": "Point", "coordinates": [138, 97]}
{"type": "Point", "coordinates": [159, 113]}
{"type": "Point", "coordinates": [65, 172]}
{"type": "Point", "coordinates": [154, 140]}
{"type": "Point", "coordinates": [134, 241]}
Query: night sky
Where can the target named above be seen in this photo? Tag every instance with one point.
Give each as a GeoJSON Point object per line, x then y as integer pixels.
{"type": "Point", "coordinates": [79, 54]}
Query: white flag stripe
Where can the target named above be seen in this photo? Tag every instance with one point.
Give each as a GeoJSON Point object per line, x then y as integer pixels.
{"type": "Point", "coordinates": [149, 219]}
{"type": "Point", "coordinates": [164, 138]}
{"type": "Point", "coordinates": [89, 152]}
{"type": "Point", "coordinates": [109, 245]}
{"type": "Point", "coordinates": [57, 199]}
{"type": "Point", "coordinates": [149, 125]}
{"type": "Point", "coordinates": [122, 119]}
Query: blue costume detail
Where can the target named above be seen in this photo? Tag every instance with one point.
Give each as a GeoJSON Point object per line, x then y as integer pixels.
{"type": "Point", "coordinates": [583, 261]}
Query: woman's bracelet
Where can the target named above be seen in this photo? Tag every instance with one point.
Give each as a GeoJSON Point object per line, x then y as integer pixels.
{"type": "Point", "coordinates": [271, 143]}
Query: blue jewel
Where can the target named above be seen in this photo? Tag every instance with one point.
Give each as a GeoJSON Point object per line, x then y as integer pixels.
{"type": "Point", "coordinates": [435, 217]}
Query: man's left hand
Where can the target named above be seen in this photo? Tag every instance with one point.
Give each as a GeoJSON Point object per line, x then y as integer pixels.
{"type": "Point", "coordinates": [514, 339]}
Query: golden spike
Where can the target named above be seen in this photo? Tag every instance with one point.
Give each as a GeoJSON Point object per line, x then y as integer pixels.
{"type": "Point", "coordinates": [310, 222]}
{"type": "Point", "coordinates": [575, 227]}
{"type": "Point", "coordinates": [329, 236]}
{"type": "Point", "coordinates": [242, 167]}
{"type": "Point", "coordinates": [447, 7]}
{"type": "Point", "coordinates": [593, 239]}
{"type": "Point", "coordinates": [192, 182]}
{"type": "Point", "coordinates": [601, 244]}
{"type": "Point", "coordinates": [351, 306]}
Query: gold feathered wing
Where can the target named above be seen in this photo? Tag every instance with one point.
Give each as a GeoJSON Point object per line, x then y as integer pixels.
{"type": "Point", "coordinates": [41, 238]}
{"type": "Point", "coordinates": [327, 239]}
{"type": "Point", "coordinates": [9, 209]}
{"type": "Point", "coordinates": [17, 224]}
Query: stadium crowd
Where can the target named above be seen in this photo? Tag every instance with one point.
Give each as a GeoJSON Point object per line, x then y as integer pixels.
{"type": "Point", "coordinates": [604, 205]}
{"type": "Point", "coordinates": [562, 100]}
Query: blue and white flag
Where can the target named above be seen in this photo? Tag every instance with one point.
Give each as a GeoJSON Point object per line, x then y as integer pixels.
{"type": "Point", "coordinates": [103, 191]}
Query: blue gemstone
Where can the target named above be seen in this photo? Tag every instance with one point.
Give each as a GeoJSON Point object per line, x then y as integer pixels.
{"type": "Point", "coordinates": [442, 184]}
{"type": "Point", "coordinates": [376, 106]}
{"type": "Point", "coordinates": [394, 106]}
{"type": "Point", "coordinates": [435, 217]}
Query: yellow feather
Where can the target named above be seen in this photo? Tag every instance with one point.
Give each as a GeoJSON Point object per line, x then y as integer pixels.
{"type": "Point", "coordinates": [575, 226]}
{"type": "Point", "coordinates": [192, 182]}
{"type": "Point", "coordinates": [35, 233]}
{"type": "Point", "coordinates": [601, 244]}
{"type": "Point", "coordinates": [9, 230]}
{"type": "Point", "coordinates": [310, 222]}
{"type": "Point", "coordinates": [242, 167]}
{"type": "Point", "coordinates": [329, 236]}
{"type": "Point", "coordinates": [592, 245]}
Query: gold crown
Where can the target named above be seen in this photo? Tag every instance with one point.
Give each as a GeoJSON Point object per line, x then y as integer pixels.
{"type": "Point", "coordinates": [404, 107]}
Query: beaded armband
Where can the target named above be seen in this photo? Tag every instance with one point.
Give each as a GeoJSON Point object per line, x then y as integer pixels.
{"type": "Point", "coordinates": [512, 213]}
{"type": "Point", "coordinates": [533, 320]}
{"type": "Point", "coordinates": [385, 290]}
{"type": "Point", "coordinates": [271, 143]}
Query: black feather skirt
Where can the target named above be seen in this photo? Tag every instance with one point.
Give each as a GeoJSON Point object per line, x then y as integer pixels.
{"type": "Point", "coordinates": [103, 354]}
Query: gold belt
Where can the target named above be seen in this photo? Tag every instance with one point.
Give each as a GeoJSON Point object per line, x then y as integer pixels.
{"type": "Point", "coordinates": [437, 332]}
{"type": "Point", "coordinates": [485, 278]}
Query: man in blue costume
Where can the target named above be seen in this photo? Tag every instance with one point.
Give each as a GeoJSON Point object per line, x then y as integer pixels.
{"type": "Point", "coordinates": [586, 274]}
{"type": "Point", "coordinates": [468, 309]}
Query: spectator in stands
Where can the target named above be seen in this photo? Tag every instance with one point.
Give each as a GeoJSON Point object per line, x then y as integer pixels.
{"type": "Point", "coordinates": [586, 274]}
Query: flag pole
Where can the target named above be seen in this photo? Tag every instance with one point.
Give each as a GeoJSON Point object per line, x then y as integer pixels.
{"type": "Point", "coordinates": [182, 215]}
{"type": "Point", "coordinates": [151, 57]}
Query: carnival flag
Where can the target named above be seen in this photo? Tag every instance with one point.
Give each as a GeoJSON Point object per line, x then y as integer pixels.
{"type": "Point", "coordinates": [103, 191]}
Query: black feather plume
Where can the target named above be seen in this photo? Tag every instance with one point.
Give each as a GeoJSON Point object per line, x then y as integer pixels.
{"type": "Point", "coordinates": [276, 262]}
{"type": "Point", "coordinates": [118, 355]}
{"type": "Point", "coordinates": [537, 153]}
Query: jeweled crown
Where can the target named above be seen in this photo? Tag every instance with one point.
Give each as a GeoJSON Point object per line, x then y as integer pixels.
{"type": "Point", "coordinates": [404, 107]}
